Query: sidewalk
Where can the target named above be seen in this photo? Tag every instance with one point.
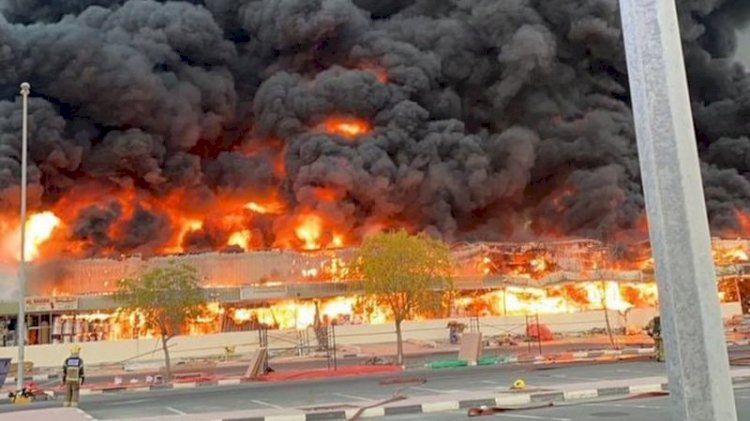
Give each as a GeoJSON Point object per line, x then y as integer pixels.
{"type": "Point", "coordinates": [414, 351]}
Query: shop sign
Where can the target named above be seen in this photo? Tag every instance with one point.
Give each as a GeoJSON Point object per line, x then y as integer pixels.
{"type": "Point", "coordinates": [43, 304]}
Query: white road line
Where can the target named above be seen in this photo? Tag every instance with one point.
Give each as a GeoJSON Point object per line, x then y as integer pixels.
{"type": "Point", "coordinates": [620, 405]}
{"type": "Point", "coordinates": [82, 412]}
{"type": "Point", "coordinates": [490, 382]}
{"type": "Point", "coordinates": [427, 389]}
{"type": "Point", "coordinates": [270, 405]}
{"type": "Point", "coordinates": [175, 411]}
{"type": "Point", "coordinates": [357, 398]}
{"type": "Point", "coordinates": [533, 417]}
{"type": "Point", "coordinates": [127, 402]}
{"type": "Point", "coordinates": [563, 376]}
{"type": "Point", "coordinates": [625, 370]}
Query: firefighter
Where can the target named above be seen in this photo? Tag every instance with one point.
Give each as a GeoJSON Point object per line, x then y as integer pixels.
{"type": "Point", "coordinates": [73, 376]}
{"type": "Point", "coordinates": [654, 330]}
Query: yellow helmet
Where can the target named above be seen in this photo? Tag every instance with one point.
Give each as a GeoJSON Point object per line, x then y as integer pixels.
{"type": "Point", "coordinates": [75, 350]}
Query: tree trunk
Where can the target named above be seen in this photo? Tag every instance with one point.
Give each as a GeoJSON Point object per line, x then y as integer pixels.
{"type": "Point", "coordinates": [603, 288]}
{"type": "Point", "coordinates": [399, 344]}
{"type": "Point", "coordinates": [609, 327]}
{"type": "Point", "coordinates": [167, 362]}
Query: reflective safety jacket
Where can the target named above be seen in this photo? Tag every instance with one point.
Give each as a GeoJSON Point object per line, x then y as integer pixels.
{"type": "Point", "coordinates": [73, 370]}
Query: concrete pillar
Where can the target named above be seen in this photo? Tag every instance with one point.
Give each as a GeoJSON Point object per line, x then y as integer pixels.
{"type": "Point", "coordinates": [697, 362]}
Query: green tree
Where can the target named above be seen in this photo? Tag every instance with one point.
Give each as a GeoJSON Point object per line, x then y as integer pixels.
{"type": "Point", "coordinates": [407, 274]}
{"type": "Point", "coordinates": [167, 297]}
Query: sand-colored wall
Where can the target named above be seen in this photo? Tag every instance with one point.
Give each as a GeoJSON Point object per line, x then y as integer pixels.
{"type": "Point", "coordinates": [350, 335]}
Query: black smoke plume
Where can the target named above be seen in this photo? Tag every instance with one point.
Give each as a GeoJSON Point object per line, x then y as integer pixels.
{"type": "Point", "coordinates": [490, 119]}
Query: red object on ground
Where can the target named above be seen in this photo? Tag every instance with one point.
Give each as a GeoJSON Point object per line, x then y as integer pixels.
{"type": "Point", "coordinates": [539, 331]}
{"type": "Point", "coordinates": [324, 373]}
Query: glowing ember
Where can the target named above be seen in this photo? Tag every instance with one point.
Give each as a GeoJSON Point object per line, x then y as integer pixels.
{"type": "Point", "coordinates": [39, 228]}
{"type": "Point", "coordinates": [347, 127]}
{"type": "Point", "coordinates": [309, 231]}
{"type": "Point", "coordinates": [240, 239]}
{"type": "Point", "coordinates": [338, 241]}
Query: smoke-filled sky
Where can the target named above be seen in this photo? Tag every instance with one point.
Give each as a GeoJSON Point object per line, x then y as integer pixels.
{"type": "Point", "coordinates": [488, 119]}
{"type": "Point", "coordinates": [743, 47]}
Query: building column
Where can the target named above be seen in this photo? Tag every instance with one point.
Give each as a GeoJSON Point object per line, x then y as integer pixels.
{"type": "Point", "coordinates": [697, 361]}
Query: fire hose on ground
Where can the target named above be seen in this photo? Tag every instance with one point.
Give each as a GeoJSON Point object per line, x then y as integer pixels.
{"type": "Point", "coordinates": [492, 410]}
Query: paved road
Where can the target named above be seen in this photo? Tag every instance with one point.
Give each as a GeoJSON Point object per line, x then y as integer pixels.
{"type": "Point", "coordinates": [305, 394]}
{"type": "Point", "coordinates": [652, 409]}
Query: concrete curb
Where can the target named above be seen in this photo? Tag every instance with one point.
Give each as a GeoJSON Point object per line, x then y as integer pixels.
{"type": "Point", "coordinates": [506, 399]}
{"type": "Point", "coordinates": [583, 355]}
{"type": "Point", "coordinates": [154, 387]}
{"type": "Point", "coordinates": [34, 378]}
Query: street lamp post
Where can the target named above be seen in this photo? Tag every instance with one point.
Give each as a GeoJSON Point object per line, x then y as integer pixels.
{"type": "Point", "coordinates": [21, 324]}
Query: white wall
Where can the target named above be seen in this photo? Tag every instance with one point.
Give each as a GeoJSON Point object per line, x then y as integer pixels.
{"type": "Point", "coordinates": [245, 342]}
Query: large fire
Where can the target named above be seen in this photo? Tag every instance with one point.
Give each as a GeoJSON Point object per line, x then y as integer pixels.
{"type": "Point", "coordinates": [534, 273]}
{"type": "Point", "coordinates": [303, 314]}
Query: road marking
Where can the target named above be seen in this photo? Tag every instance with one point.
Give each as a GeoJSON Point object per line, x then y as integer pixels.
{"type": "Point", "coordinates": [82, 412]}
{"type": "Point", "coordinates": [534, 417]}
{"type": "Point", "coordinates": [266, 404]}
{"type": "Point", "coordinates": [357, 398]}
{"type": "Point", "coordinates": [620, 405]}
{"type": "Point", "coordinates": [563, 376]}
{"type": "Point", "coordinates": [427, 389]}
{"type": "Point", "coordinates": [490, 382]}
{"type": "Point", "coordinates": [175, 411]}
{"type": "Point", "coordinates": [127, 402]}
{"type": "Point", "coordinates": [625, 370]}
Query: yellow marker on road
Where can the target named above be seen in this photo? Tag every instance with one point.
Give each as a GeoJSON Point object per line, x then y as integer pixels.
{"type": "Point", "coordinates": [519, 384]}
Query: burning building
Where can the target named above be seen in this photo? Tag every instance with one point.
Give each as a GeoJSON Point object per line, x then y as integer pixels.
{"type": "Point", "coordinates": [221, 129]}
{"type": "Point", "coordinates": [286, 289]}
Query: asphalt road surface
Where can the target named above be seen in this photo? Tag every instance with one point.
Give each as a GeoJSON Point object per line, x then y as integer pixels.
{"type": "Point", "coordinates": [652, 409]}
{"type": "Point", "coordinates": [305, 394]}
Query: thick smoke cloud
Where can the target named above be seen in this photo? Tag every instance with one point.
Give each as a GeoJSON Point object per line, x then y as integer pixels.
{"type": "Point", "coordinates": [490, 119]}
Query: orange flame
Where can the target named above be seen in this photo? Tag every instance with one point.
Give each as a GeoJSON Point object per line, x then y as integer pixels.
{"type": "Point", "coordinates": [240, 239]}
{"type": "Point", "coordinates": [309, 231]}
{"type": "Point", "coordinates": [267, 208]}
{"type": "Point", "coordinates": [186, 227]}
{"type": "Point", "coordinates": [347, 127]}
{"type": "Point", "coordinates": [39, 228]}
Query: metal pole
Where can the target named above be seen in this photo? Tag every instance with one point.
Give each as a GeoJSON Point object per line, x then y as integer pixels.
{"type": "Point", "coordinates": [528, 334]}
{"type": "Point", "coordinates": [21, 325]}
{"type": "Point", "coordinates": [697, 360]}
{"type": "Point", "coordinates": [737, 288]}
{"type": "Point", "coordinates": [538, 334]}
{"type": "Point", "coordinates": [333, 334]}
